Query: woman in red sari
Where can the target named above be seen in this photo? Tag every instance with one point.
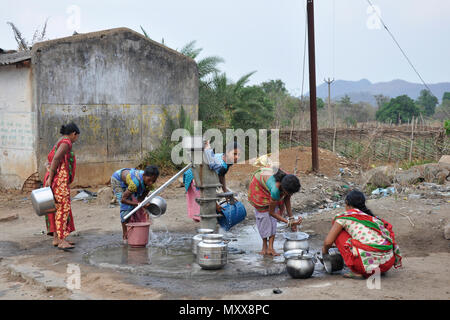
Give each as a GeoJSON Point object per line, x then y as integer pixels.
{"type": "Point", "coordinates": [60, 174]}
{"type": "Point", "coordinates": [366, 242]}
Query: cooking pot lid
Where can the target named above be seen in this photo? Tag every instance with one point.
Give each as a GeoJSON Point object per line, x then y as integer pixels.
{"type": "Point", "coordinates": [296, 235]}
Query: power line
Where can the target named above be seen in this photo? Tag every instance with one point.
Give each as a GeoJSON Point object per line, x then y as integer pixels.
{"type": "Point", "coordinates": [403, 52]}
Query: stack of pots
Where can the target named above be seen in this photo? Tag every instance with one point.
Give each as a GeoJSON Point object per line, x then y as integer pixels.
{"type": "Point", "coordinates": [212, 252]}
{"type": "Point", "coordinates": [299, 263]}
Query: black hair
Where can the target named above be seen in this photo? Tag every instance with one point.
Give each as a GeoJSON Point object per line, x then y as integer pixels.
{"type": "Point", "coordinates": [279, 175]}
{"type": "Point", "coordinates": [151, 171]}
{"type": "Point", "coordinates": [356, 199]}
{"type": "Point", "coordinates": [69, 128]}
{"type": "Point", "coordinates": [290, 183]}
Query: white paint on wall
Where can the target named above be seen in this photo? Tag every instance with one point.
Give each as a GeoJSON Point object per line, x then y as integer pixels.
{"type": "Point", "coordinates": [17, 127]}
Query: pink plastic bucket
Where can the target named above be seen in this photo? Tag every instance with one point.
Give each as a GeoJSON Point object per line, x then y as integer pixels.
{"type": "Point", "coordinates": [138, 234]}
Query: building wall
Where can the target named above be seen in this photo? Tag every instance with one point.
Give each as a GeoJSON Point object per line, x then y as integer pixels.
{"type": "Point", "coordinates": [120, 89]}
{"type": "Point", "coordinates": [17, 127]}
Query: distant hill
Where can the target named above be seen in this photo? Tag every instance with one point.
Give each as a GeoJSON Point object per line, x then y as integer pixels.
{"type": "Point", "coordinates": [364, 91]}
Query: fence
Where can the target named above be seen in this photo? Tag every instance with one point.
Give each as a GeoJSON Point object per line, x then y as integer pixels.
{"type": "Point", "coordinates": [378, 144]}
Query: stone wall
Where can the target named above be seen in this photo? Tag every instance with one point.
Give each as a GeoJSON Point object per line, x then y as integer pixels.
{"type": "Point", "coordinates": [17, 126]}
{"type": "Point", "coordinates": [119, 87]}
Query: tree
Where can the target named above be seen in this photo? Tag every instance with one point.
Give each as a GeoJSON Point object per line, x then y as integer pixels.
{"type": "Point", "coordinates": [320, 104]}
{"type": "Point", "coordinates": [22, 43]}
{"type": "Point", "coordinates": [399, 109]}
{"type": "Point", "coordinates": [381, 100]}
{"type": "Point", "coordinates": [428, 102]}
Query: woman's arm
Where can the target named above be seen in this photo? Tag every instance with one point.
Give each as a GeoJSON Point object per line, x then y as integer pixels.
{"type": "Point", "coordinates": [331, 237]}
{"type": "Point", "coordinates": [59, 155]}
{"type": "Point", "coordinates": [287, 203]}
{"type": "Point", "coordinates": [126, 198]}
{"type": "Point", "coordinates": [272, 205]}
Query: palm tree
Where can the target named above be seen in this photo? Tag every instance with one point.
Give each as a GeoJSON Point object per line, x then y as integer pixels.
{"type": "Point", "coordinates": [206, 66]}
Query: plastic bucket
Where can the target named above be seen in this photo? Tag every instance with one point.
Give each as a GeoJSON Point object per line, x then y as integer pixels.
{"type": "Point", "coordinates": [232, 215]}
{"type": "Point", "coordinates": [138, 234]}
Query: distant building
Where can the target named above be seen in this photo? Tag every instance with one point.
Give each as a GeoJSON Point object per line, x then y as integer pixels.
{"type": "Point", "coordinates": [118, 86]}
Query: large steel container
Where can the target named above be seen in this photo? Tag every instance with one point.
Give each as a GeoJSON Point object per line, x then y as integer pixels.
{"type": "Point", "coordinates": [212, 252]}
{"type": "Point", "coordinates": [299, 264]}
{"type": "Point", "coordinates": [43, 201]}
{"type": "Point", "coordinates": [198, 237]}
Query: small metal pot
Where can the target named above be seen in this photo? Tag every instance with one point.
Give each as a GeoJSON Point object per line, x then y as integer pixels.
{"type": "Point", "coordinates": [212, 252]}
{"type": "Point", "coordinates": [333, 261]}
{"type": "Point", "coordinates": [198, 237]}
{"type": "Point", "coordinates": [157, 207]}
{"type": "Point", "coordinates": [296, 240]}
{"type": "Point", "coordinates": [299, 264]}
{"type": "Point", "coordinates": [43, 201]}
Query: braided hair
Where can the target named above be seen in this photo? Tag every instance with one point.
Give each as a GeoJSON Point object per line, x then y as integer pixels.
{"type": "Point", "coordinates": [356, 199]}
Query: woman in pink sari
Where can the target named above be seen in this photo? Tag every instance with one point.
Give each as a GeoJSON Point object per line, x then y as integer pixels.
{"type": "Point", "coordinates": [60, 174]}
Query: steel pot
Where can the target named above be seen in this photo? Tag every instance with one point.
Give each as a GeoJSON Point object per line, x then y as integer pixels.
{"type": "Point", "coordinates": [212, 252]}
{"type": "Point", "coordinates": [157, 207]}
{"type": "Point", "coordinates": [333, 261]}
{"type": "Point", "coordinates": [299, 264]}
{"type": "Point", "coordinates": [43, 201]}
{"type": "Point", "coordinates": [296, 240]}
{"type": "Point", "coordinates": [198, 237]}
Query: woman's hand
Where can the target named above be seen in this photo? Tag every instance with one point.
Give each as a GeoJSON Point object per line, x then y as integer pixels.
{"type": "Point", "coordinates": [47, 183]}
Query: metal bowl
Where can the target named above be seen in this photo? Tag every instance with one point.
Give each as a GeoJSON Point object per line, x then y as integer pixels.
{"type": "Point", "coordinates": [43, 201]}
{"type": "Point", "coordinates": [333, 261]}
{"type": "Point", "coordinates": [157, 206]}
{"type": "Point", "coordinates": [296, 240]}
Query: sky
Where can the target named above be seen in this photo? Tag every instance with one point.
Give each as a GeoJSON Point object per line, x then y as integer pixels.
{"type": "Point", "coordinates": [266, 36]}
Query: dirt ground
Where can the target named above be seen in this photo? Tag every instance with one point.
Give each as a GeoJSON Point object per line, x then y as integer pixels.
{"type": "Point", "coordinates": [27, 256]}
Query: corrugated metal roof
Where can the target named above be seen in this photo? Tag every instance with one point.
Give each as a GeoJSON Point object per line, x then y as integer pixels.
{"type": "Point", "coordinates": [11, 58]}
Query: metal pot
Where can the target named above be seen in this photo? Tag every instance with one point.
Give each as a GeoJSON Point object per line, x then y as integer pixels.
{"type": "Point", "coordinates": [212, 252]}
{"type": "Point", "coordinates": [43, 201]}
{"type": "Point", "coordinates": [299, 264]}
{"type": "Point", "coordinates": [157, 207]}
{"type": "Point", "coordinates": [296, 240]}
{"type": "Point", "coordinates": [333, 261]}
{"type": "Point", "coordinates": [198, 237]}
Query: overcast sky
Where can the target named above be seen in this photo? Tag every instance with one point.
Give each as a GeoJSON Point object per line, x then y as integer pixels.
{"type": "Point", "coordinates": [265, 35]}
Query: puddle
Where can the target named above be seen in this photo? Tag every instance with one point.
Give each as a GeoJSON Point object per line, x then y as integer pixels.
{"type": "Point", "coordinates": [169, 254]}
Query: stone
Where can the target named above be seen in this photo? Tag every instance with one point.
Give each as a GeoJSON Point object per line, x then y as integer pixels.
{"type": "Point", "coordinates": [379, 177]}
{"type": "Point", "coordinates": [447, 231]}
{"type": "Point", "coordinates": [409, 177]}
{"type": "Point", "coordinates": [9, 217]}
{"type": "Point", "coordinates": [445, 159]}
{"type": "Point", "coordinates": [105, 195]}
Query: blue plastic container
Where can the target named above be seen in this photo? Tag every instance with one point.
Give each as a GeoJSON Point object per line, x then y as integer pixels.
{"type": "Point", "coordinates": [232, 215]}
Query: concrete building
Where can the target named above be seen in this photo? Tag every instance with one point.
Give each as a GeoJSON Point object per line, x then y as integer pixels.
{"type": "Point", "coordinates": [118, 86]}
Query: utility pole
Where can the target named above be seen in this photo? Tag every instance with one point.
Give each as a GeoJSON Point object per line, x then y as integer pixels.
{"type": "Point", "coordinates": [330, 119]}
{"type": "Point", "coordinates": [312, 86]}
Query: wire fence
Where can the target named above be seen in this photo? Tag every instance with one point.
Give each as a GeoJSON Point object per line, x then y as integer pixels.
{"type": "Point", "coordinates": [377, 144]}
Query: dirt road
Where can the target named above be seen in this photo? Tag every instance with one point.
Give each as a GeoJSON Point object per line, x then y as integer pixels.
{"type": "Point", "coordinates": [30, 268]}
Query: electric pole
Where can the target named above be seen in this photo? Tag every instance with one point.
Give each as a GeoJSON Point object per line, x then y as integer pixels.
{"type": "Point", "coordinates": [312, 86]}
{"type": "Point", "coordinates": [330, 119]}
